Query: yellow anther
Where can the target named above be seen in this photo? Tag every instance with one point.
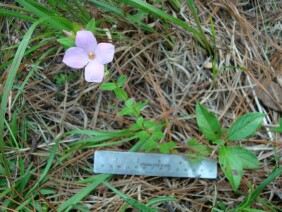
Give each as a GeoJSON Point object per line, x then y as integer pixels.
{"type": "Point", "coordinates": [91, 55]}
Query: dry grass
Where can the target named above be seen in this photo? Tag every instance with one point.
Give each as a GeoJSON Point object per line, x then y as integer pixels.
{"type": "Point", "coordinates": [173, 77]}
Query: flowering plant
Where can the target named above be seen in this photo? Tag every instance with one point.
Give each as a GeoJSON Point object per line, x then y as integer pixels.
{"type": "Point", "coordinates": [90, 55]}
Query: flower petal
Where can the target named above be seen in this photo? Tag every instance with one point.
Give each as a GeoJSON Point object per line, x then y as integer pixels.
{"type": "Point", "coordinates": [75, 58]}
{"type": "Point", "coordinates": [86, 40]}
{"type": "Point", "coordinates": [104, 53]}
{"type": "Point", "coordinates": [94, 72]}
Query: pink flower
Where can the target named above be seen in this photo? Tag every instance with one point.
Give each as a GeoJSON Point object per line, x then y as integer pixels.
{"type": "Point", "coordinates": [90, 54]}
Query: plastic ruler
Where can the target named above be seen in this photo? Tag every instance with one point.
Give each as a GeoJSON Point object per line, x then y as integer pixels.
{"type": "Point", "coordinates": [152, 164]}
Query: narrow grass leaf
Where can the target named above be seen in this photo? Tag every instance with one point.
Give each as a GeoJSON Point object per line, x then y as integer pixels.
{"type": "Point", "coordinates": [157, 12]}
{"type": "Point", "coordinates": [158, 200]}
{"type": "Point", "coordinates": [279, 128]}
{"type": "Point", "coordinates": [208, 123]}
{"type": "Point", "coordinates": [48, 166]}
{"type": "Point", "coordinates": [11, 77]}
{"type": "Point", "coordinates": [129, 200]}
{"type": "Point", "coordinates": [83, 192]}
{"type": "Point", "coordinates": [245, 126]}
{"type": "Point", "coordinates": [202, 36]}
{"type": "Point", "coordinates": [254, 195]}
{"type": "Point", "coordinates": [110, 8]}
{"type": "Point", "coordinates": [9, 13]}
{"type": "Point", "coordinates": [56, 22]}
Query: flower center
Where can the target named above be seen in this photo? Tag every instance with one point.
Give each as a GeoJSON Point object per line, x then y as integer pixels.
{"type": "Point", "coordinates": [91, 55]}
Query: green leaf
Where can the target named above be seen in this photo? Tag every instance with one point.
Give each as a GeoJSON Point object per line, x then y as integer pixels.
{"type": "Point", "coordinates": [129, 103]}
{"type": "Point", "coordinates": [158, 200]}
{"type": "Point", "coordinates": [120, 93]}
{"type": "Point", "coordinates": [129, 200]}
{"type": "Point", "coordinates": [66, 42]}
{"type": "Point", "coordinates": [279, 128]}
{"type": "Point", "coordinates": [12, 76]}
{"type": "Point", "coordinates": [140, 121]}
{"type": "Point", "coordinates": [208, 123]}
{"type": "Point", "coordinates": [91, 25]}
{"type": "Point", "coordinates": [109, 86]}
{"type": "Point", "coordinates": [167, 147]}
{"type": "Point", "coordinates": [75, 27]}
{"type": "Point", "coordinates": [150, 144]}
{"type": "Point", "coordinates": [121, 80]}
{"type": "Point", "coordinates": [219, 142]}
{"type": "Point", "coordinates": [233, 159]}
{"type": "Point", "coordinates": [126, 111]}
{"type": "Point", "coordinates": [245, 126]}
{"type": "Point", "coordinates": [197, 149]}
{"type": "Point", "coordinates": [255, 194]}
{"type": "Point", "coordinates": [143, 135]}
{"type": "Point", "coordinates": [83, 192]}
{"type": "Point", "coordinates": [231, 166]}
{"type": "Point", "coordinates": [247, 158]}
{"type": "Point", "coordinates": [142, 5]}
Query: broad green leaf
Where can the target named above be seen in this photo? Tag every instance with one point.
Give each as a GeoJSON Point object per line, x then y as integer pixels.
{"type": "Point", "coordinates": [231, 166]}
{"type": "Point", "coordinates": [109, 86]}
{"type": "Point", "coordinates": [219, 142]}
{"type": "Point", "coordinates": [233, 159]}
{"type": "Point", "coordinates": [149, 124]}
{"type": "Point", "coordinates": [66, 42]}
{"type": "Point", "coordinates": [149, 145]}
{"type": "Point", "coordinates": [91, 26]}
{"type": "Point", "coordinates": [126, 111]}
{"type": "Point", "coordinates": [157, 135]}
{"type": "Point", "coordinates": [143, 135]}
{"type": "Point", "coordinates": [208, 123]}
{"type": "Point", "coordinates": [247, 158]}
{"type": "Point", "coordinates": [197, 149]}
{"type": "Point", "coordinates": [76, 27]}
{"type": "Point", "coordinates": [166, 147]}
{"type": "Point", "coordinates": [245, 126]}
{"type": "Point", "coordinates": [140, 121]}
{"type": "Point", "coordinates": [121, 80]}
{"type": "Point", "coordinates": [129, 103]}
{"type": "Point", "coordinates": [120, 93]}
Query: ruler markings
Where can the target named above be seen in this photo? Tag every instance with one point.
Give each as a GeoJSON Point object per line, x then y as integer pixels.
{"type": "Point", "coordinates": [151, 164]}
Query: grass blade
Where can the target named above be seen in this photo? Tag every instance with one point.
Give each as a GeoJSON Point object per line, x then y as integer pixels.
{"type": "Point", "coordinates": [253, 196]}
{"type": "Point", "coordinates": [82, 193]}
{"type": "Point", "coordinates": [161, 14]}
